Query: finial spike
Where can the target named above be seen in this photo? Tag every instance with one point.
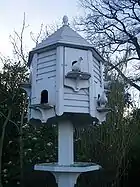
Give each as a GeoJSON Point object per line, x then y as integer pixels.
{"type": "Point", "coordinates": [65, 20]}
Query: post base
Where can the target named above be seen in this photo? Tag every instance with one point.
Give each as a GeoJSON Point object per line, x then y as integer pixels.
{"type": "Point", "coordinates": [66, 175]}
{"type": "Point", "coordinates": [66, 179]}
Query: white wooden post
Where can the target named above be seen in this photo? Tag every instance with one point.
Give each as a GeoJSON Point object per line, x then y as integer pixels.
{"type": "Point", "coordinates": [65, 143]}
{"type": "Point", "coordinates": [92, 88]}
{"type": "Point", "coordinates": [66, 179]}
{"type": "Point", "coordinates": [60, 77]}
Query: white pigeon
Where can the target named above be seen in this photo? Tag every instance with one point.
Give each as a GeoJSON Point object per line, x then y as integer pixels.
{"type": "Point", "coordinates": [76, 65]}
{"type": "Point", "coordinates": [102, 100]}
{"type": "Point", "coordinates": [107, 85]}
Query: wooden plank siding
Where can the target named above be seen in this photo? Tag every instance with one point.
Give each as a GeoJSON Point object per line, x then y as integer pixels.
{"type": "Point", "coordinates": [97, 71]}
{"type": "Point", "coordinates": [76, 101]}
{"type": "Point", "coordinates": [46, 65]}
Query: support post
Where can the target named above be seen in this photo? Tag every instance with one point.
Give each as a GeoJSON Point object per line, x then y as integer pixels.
{"type": "Point", "coordinates": [66, 179]}
{"type": "Point", "coordinates": [65, 143]}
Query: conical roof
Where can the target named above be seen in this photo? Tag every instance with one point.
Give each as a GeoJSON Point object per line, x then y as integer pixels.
{"type": "Point", "coordinates": [64, 35]}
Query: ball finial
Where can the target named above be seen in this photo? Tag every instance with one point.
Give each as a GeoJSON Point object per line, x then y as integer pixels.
{"type": "Point", "coordinates": [65, 20]}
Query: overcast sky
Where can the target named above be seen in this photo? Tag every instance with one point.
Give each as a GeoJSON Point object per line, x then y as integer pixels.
{"type": "Point", "coordinates": [37, 12]}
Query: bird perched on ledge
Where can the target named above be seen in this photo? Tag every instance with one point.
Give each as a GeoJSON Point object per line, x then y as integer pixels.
{"type": "Point", "coordinates": [107, 85]}
{"type": "Point", "coordinates": [102, 100]}
{"type": "Point", "coordinates": [76, 65]}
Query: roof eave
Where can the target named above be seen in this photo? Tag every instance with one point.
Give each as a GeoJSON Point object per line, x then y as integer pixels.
{"type": "Point", "coordinates": [66, 44]}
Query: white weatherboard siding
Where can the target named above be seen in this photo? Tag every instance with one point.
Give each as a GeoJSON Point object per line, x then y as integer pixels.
{"type": "Point", "coordinates": [97, 71]}
{"type": "Point", "coordinates": [76, 102]}
{"type": "Point", "coordinates": [46, 64]}
{"type": "Point", "coordinates": [46, 75]}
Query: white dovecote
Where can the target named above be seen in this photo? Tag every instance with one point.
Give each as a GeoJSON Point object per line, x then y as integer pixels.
{"type": "Point", "coordinates": [66, 77]}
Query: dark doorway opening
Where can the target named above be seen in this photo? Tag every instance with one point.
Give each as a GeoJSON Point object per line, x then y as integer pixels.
{"type": "Point", "coordinates": [44, 97]}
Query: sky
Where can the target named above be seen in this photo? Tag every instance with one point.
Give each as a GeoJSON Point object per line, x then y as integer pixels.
{"type": "Point", "coordinates": [36, 12]}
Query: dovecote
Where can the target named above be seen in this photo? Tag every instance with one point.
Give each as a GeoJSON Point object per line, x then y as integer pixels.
{"type": "Point", "coordinates": [66, 77]}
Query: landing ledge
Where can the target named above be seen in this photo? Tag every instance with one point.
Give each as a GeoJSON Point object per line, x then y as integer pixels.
{"type": "Point", "coordinates": [73, 168]}
{"type": "Point", "coordinates": [80, 75]}
{"type": "Point", "coordinates": [42, 106]}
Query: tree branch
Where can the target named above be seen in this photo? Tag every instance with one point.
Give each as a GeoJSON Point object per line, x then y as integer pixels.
{"type": "Point", "coordinates": [123, 76]}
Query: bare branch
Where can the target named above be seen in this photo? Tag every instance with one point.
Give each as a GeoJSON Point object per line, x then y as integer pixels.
{"type": "Point", "coordinates": [36, 40]}
{"type": "Point", "coordinates": [9, 120]}
{"type": "Point", "coordinates": [129, 81]}
{"type": "Point", "coordinates": [18, 49]}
